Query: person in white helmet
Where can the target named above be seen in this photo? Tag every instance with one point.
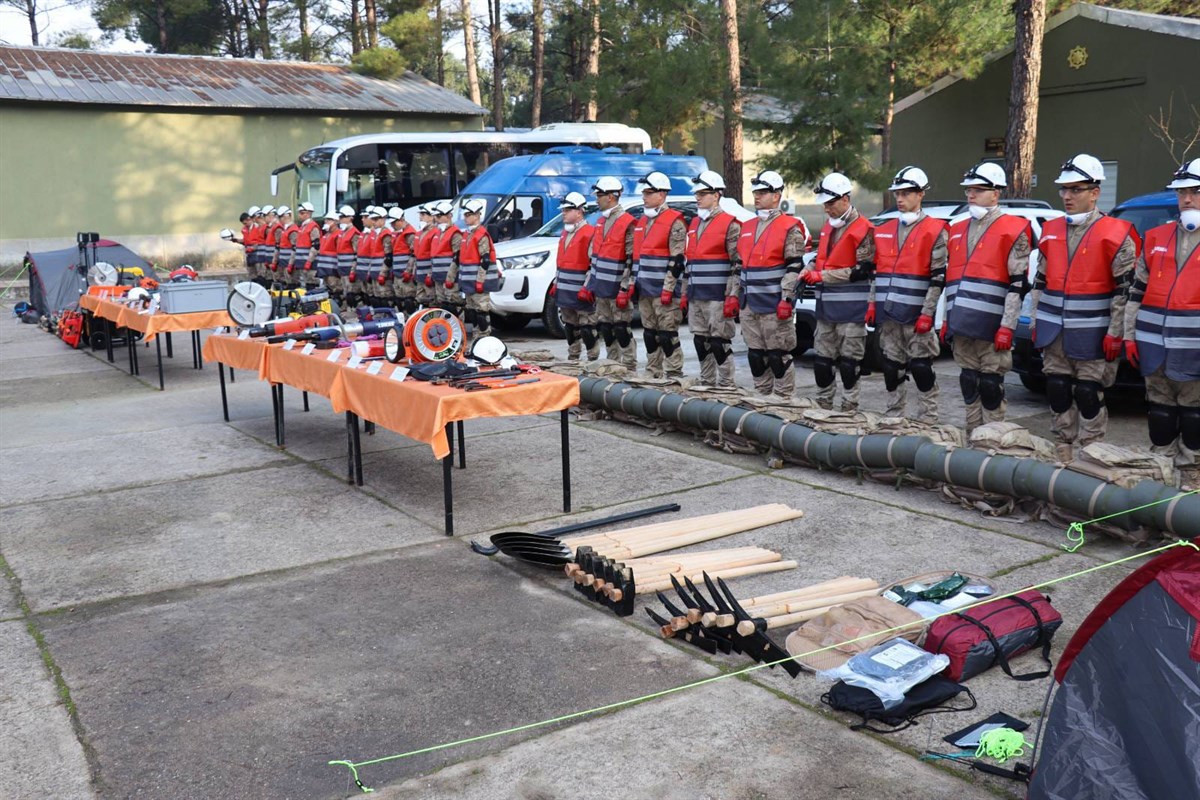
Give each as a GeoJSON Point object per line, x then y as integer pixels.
{"type": "Point", "coordinates": [910, 273]}
{"type": "Point", "coordinates": [574, 258]}
{"type": "Point", "coordinates": [986, 269]}
{"type": "Point", "coordinates": [609, 281]}
{"type": "Point", "coordinates": [1078, 305]}
{"type": "Point", "coordinates": [475, 271]}
{"type": "Point", "coordinates": [422, 275]}
{"type": "Point", "coordinates": [772, 254]}
{"type": "Point", "coordinates": [270, 245]}
{"type": "Point", "coordinates": [659, 242]}
{"type": "Point", "coordinates": [842, 276]}
{"type": "Point", "coordinates": [327, 253]}
{"type": "Point", "coordinates": [369, 259]}
{"type": "Point", "coordinates": [1161, 337]}
{"type": "Point", "coordinates": [304, 239]}
{"type": "Point", "coordinates": [446, 246]}
{"type": "Point", "coordinates": [401, 264]}
{"type": "Point", "coordinates": [253, 237]}
{"type": "Point", "coordinates": [713, 278]}
{"type": "Point", "coordinates": [342, 283]}
{"type": "Point", "coordinates": [285, 252]}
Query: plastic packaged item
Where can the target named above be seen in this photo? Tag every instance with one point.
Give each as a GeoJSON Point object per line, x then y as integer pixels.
{"type": "Point", "coordinates": [901, 595]}
{"type": "Point", "coordinates": [889, 670]}
{"type": "Point", "coordinates": [927, 609]}
{"type": "Point", "coordinates": [958, 601]}
{"type": "Point", "coordinates": [943, 589]}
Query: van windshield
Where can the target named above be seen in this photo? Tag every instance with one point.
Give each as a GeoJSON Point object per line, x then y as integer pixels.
{"type": "Point", "coordinates": [1144, 218]}
{"type": "Point", "coordinates": [513, 216]}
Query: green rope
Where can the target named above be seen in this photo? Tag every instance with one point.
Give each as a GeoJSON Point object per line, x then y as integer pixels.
{"type": "Point", "coordinates": [1001, 744]}
{"type": "Point", "coordinates": [1075, 529]}
{"type": "Point", "coordinates": [13, 282]}
{"type": "Point", "coordinates": [354, 765]}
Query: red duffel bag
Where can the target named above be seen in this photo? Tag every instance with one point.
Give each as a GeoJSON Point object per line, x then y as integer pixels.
{"type": "Point", "coordinates": [979, 637]}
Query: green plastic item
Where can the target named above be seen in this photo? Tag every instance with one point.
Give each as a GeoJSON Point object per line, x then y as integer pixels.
{"type": "Point", "coordinates": [943, 589]}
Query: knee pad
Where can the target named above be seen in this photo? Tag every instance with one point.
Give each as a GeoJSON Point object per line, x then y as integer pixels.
{"type": "Point", "coordinates": [1189, 427]}
{"type": "Point", "coordinates": [483, 320]}
{"type": "Point", "coordinates": [1058, 392]}
{"type": "Point", "coordinates": [922, 373]}
{"type": "Point", "coordinates": [823, 371]}
{"type": "Point", "coordinates": [622, 333]}
{"type": "Point", "coordinates": [650, 337]}
{"type": "Point", "coordinates": [409, 305]}
{"type": "Point", "coordinates": [991, 390]}
{"type": "Point", "coordinates": [893, 374]}
{"type": "Point", "coordinates": [848, 368]}
{"type": "Point", "coordinates": [758, 362]}
{"type": "Point", "coordinates": [589, 336]}
{"type": "Point", "coordinates": [668, 341]}
{"type": "Point", "coordinates": [571, 331]}
{"type": "Point", "coordinates": [1164, 424]}
{"type": "Point", "coordinates": [701, 343]}
{"type": "Point", "coordinates": [470, 316]}
{"type": "Point", "coordinates": [1089, 397]}
{"type": "Point", "coordinates": [968, 381]}
{"type": "Point", "coordinates": [606, 332]}
{"type": "Point", "coordinates": [779, 361]}
{"type": "Point", "coordinates": [721, 349]}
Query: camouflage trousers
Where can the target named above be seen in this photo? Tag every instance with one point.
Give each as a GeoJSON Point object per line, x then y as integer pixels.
{"type": "Point", "coordinates": [979, 358]}
{"type": "Point", "coordinates": [706, 319]}
{"type": "Point", "coordinates": [770, 342]}
{"type": "Point", "coordinates": [901, 344]}
{"type": "Point", "coordinates": [844, 343]}
{"type": "Point", "coordinates": [1070, 427]}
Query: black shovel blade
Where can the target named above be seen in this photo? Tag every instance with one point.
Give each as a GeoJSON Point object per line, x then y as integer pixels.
{"type": "Point", "coordinates": [548, 560]}
{"type": "Point", "coordinates": [516, 537]}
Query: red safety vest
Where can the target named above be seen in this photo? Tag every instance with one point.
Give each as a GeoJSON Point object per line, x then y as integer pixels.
{"type": "Point", "coordinates": [424, 243]}
{"type": "Point", "coordinates": [983, 277]}
{"type": "Point", "coordinates": [845, 251]}
{"type": "Point", "coordinates": [576, 257]}
{"type": "Point", "coordinates": [345, 240]}
{"type": "Point", "coordinates": [842, 302]}
{"type": "Point", "coordinates": [763, 264]}
{"type": "Point", "coordinates": [379, 247]}
{"type": "Point", "coordinates": [468, 250]}
{"type": "Point", "coordinates": [274, 230]}
{"type": "Point", "coordinates": [309, 234]}
{"type": "Point", "coordinates": [329, 243]}
{"type": "Point", "coordinates": [652, 252]}
{"type": "Point", "coordinates": [1172, 296]}
{"type": "Point", "coordinates": [366, 243]}
{"type": "Point", "coordinates": [442, 244]}
{"type": "Point", "coordinates": [470, 259]}
{"type": "Point", "coordinates": [400, 239]}
{"type": "Point", "coordinates": [251, 235]}
{"type": "Point", "coordinates": [708, 258]}
{"type": "Point", "coordinates": [608, 249]}
{"type": "Point", "coordinates": [902, 275]}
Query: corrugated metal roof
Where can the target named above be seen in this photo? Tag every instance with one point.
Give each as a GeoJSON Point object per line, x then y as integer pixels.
{"type": "Point", "coordinates": [53, 75]}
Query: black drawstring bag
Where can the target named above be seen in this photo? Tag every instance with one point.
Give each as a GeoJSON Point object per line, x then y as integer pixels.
{"type": "Point", "coordinates": [927, 697]}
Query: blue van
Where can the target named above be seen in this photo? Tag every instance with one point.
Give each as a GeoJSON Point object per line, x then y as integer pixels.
{"type": "Point", "coordinates": [523, 192]}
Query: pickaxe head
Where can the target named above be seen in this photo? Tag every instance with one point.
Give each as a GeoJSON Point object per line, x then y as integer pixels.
{"type": "Point", "coordinates": [766, 651]}
{"type": "Point", "coordinates": [693, 608]}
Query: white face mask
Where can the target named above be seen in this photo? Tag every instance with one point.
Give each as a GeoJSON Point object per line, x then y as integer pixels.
{"type": "Point", "coordinates": [979, 212]}
{"type": "Point", "coordinates": [1190, 219]}
{"type": "Point", "coordinates": [651, 213]}
{"type": "Point", "coordinates": [703, 213]}
{"type": "Point", "coordinates": [1077, 219]}
{"type": "Point", "coordinates": [345, 226]}
{"type": "Point", "coordinates": [765, 213]}
{"type": "Point", "coordinates": [838, 222]}
{"type": "Point", "coordinates": [443, 225]}
{"type": "Point", "coordinates": [570, 227]}
{"type": "Point", "coordinates": [909, 217]}
{"type": "Point", "coordinates": [608, 212]}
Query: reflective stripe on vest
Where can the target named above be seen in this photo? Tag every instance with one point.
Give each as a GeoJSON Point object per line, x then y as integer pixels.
{"type": "Point", "coordinates": [652, 252]}
{"type": "Point", "coordinates": [608, 252]}
{"type": "Point", "coordinates": [443, 253]}
{"type": "Point", "coordinates": [286, 251]}
{"type": "Point", "coordinates": [842, 302]}
{"type": "Point", "coordinates": [763, 264]}
{"type": "Point", "coordinates": [345, 249]}
{"type": "Point", "coordinates": [1078, 295]}
{"type": "Point", "coordinates": [308, 235]}
{"type": "Point", "coordinates": [424, 250]}
{"type": "Point", "coordinates": [1168, 322]}
{"type": "Point", "coordinates": [902, 273]}
{"type": "Point", "coordinates": [469, 260]}
{"type": "Point", "coordinates": [366, 261]}
{"type": "Point", "coordinates": [400, 240]}
{"type": "Point", "coordinates": [573, 262]}
{"type": "Point", "coordinates": [976, 287]}
{"type": "Point", "coordinates": [708, 258]}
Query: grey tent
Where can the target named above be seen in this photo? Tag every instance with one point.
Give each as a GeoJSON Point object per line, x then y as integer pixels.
{"type": "Point", "coordinates": [58, 277]}
{"type": "Point", "coordinates": [1125, 723]}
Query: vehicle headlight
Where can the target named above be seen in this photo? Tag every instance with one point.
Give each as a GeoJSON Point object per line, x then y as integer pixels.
{"type": "Point", "coordinates": [527, 261]}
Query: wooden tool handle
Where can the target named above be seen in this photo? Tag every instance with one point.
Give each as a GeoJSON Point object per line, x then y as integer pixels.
{"type": "Point", "coordinates": [804, 604]}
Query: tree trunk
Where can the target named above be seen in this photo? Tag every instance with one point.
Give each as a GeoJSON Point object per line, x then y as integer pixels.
{"type": "Point", "coordinates": [372, 27]}
{"type": "Point", "coordinates": [889, 109]}
{"type": "Point", "coordinates": [356, 37]}
{"type": "Point", "coordinates": [732, 147]}
{"type": "Point", "coordinates": [1020, 140]}
{"type": "Point", "coordinates": [306, 53]}
{"type": "Point", "coordinates": [593, 65]}
{"type": "Point", "coordinates": [497, 35]}
{"type": "Point", "coordinates": [539, 61]}
{"type": "Point", "coordinates": [246, 25]}
{"type": "Point", "coordinates": [441, 56]}
{"type": "Point", "coordinates": [160, 19]}
{"type": "Point", "coordinates": [264, 29]}
{"type": "Point", "coordinates": [469, 46]}
{"type": "Point", "coordinates": [31, 13]}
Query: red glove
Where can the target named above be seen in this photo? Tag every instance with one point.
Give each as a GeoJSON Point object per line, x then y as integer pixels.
{"type": "Point", "coordinates": [870, 317]}
{"type": "Point", "coordinates": [429, 281]}
{"type": "Point", "coordinates": [683, 304]}
{"type": "Point", "coordinates": [944, 332]}
{"type": "Point", "coordinates": [732, 307]}
{"type": "Point", "coordinates": [1112, 348]}
{"type": "Point", "coordinates": [274, 266]}
{"type": "Point", "coordinates": [449, 284]}
{"type": "Point", "coordinates": [811, 276]}
{"type": "Point", "coordinates": [352, 277]}
{"type": "Point", "coordinates": [478, 287]}
{"type": "Point", "coordinates": [585, 296]}
{"type": "Point", "coordinates": [382, 279]}
{"type": "Point", "coordinates": [622, 299]}
{"type": "Point", "coordinates": [1033, 336]}
{"type": "Point", "coordinates": [553, 288]}
{"type": "Point", "coordinates": [924, 324]}
{"type": "Point", "coordinates": [666, 297]}
{"type": "Point", "coordinates": [784, 310]}
{"type": "Point", "coordinates": [1004, 337]}
{"type": "Point", "coordinates": [291, 268]}
{"type": "Point", "coordinates": [308, 266]}
{"type": "Point", "coordinates": [407, 277]}
{"type": "Point", "coordinates": [1131, 353]}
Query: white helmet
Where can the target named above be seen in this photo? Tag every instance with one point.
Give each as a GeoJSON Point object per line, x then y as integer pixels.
{"type": "Point", "coordinates": [985, 174]}
{"type": "Point", "coordinates": [227, 234]}
{"type": "Point", "coordinates": [283, 211]}
{"type": "Point", "coordinates": [425, 208]}
{"type": "Point", "coordinates": [309, 207]}
{"type": "Point", "coordinates": [832, 186]}
{"type": "Point", "coordinates": [573, 200]}
{"type": "Point", "coordinates": [268, 210]}
{"type": "Point", "coordinates": [442, 208]}
{"type": "Point", "coordinates": [655, 182]}
{"type": "Point", "coordinates": [768, 180]}
{"type": "Point", "coordinates": [375, 212]}
{"type": "Point", "coordinates": [254, 211]}
{"type": "Point", "coordinates": [708, 181]}
{"type": "Point", "coordinates": [331, 214]}
{"type": "Point", "coordinates": [608, 184]}
{"type": "Point", "coordinates": [1187, 176]}
{"type": "Point", "coordinates": [910, 178]}
{"type": "Point", "coordinates": [475, 205]}
{"type": "Point", "coordinates": [345, 211]}
{"type": "Point", "coordinates": [1081, 169]}
{"type": "Point", "coordinates": [395, 212]}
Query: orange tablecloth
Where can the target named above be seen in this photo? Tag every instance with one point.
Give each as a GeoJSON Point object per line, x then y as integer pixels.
{"type": "Point", "coordinates": [313, 373]}
{"type": "Point", "coordinates": [246, 354]}
{"type": "Point", "coordinates": [153, 324]}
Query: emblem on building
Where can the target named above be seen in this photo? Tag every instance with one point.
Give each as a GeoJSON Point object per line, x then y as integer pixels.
{"type": "Point", "coordinates": [1077, 58]}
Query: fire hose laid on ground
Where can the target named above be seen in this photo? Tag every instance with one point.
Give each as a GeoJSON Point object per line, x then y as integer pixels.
{"type": "Point", "coordinates": [965, 467]}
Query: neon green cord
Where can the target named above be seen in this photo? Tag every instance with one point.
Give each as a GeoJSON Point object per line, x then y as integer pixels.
{"type": "Point", "coordinates": [1075, 529]}
{"type": "Point", "coordinates": [1001, 744]}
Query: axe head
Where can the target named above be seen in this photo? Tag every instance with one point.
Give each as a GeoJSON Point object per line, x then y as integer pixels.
{"type": "Point", "coordinates": [623, 579]}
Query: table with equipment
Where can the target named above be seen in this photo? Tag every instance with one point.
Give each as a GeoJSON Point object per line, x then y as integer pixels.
{"type": "Point", "coordinates": [375, 391]}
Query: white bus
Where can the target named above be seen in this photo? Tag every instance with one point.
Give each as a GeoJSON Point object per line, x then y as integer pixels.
{"type": "Point", "coordinates": [406, 169]}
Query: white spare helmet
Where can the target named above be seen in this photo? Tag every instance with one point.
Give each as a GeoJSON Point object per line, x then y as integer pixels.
{"type": "Point", "coordinates": [985, 174]}
{"type": "Point", "coordinates": [655, 182]}
{"type": "Point", "coordinates": [608, 185]}
{"type": "Point", "coordinates": [910, 178]}
{"type": "Point", "coordinates": [573, 200]}
{"type": "Point", "coordinates": [1081, 169]}
{"type": "Point", "coordinates": [227, 234]}
{"type": "Point", "coordinates": [708, 181]}
{"type": "Point", "coordinates": [832, 186]}
{"type": "Point", "coordinates": [1187, 176]}
{"type": "Point", "coordinates": [767, 180]}
{"type": "Point", "coordinates": [487, 350]}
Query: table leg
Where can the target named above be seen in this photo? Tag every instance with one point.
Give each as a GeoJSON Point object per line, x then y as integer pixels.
{"type": "Point", "coordinates": [302, 394]}
{"type": "Point", "coordinates": [462, 446]}
{"type": "Point", "coordinates": [224, 397]}
{"type": "Point", "coordinates": [196, 354]}
{"type": "Point", "coordinates": [565, 429]}
{"type": "Point", "coordinates": [137, 355]}
{"type": "Point", "coordinates": [369, 428]}
{"type": "Point", "coordinates": [129, 352]}
{"type": "Point", "coordinates": [447, 482]}
{"type": "Point", "coordinates": [108, 330]}
{"type": "Point", "coordinates": [231, 380]}
{"type": "Point", "coordinates": [275, 414]}
{"type": "Point", "coordinates": [282, 436]}
{"type": "Point", "coordinates": [358, 467]}
{"type": "Point", "coordinates": [158, 348]}
{"type": "Point", "coordinates": [170, 346]}
{"type": "Point", "coordinates": [349, 450]}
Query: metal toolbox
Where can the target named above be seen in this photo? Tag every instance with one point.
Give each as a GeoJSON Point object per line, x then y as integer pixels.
{"type": "Point", "coordinates": [189, 296]}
